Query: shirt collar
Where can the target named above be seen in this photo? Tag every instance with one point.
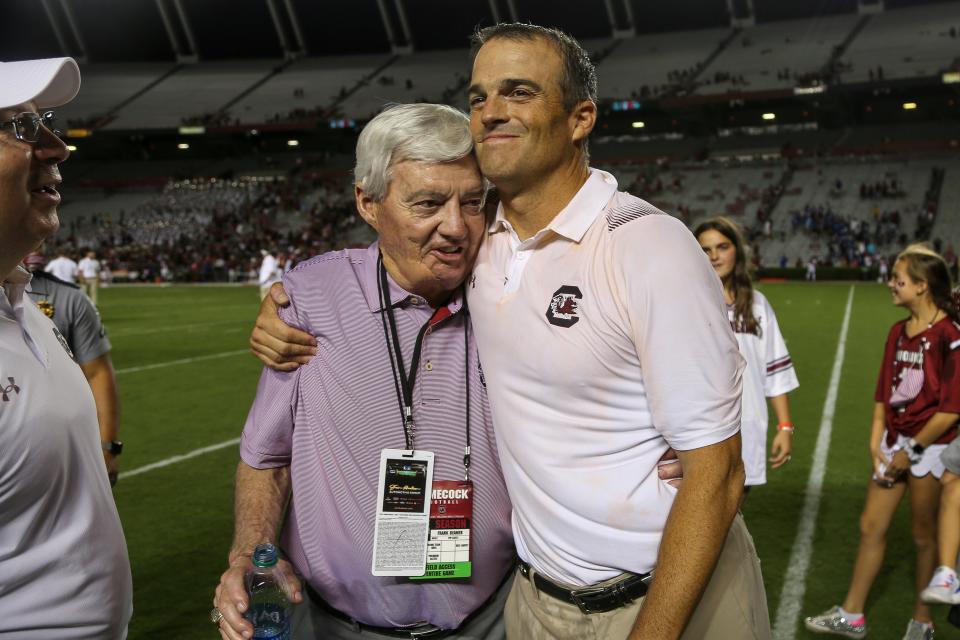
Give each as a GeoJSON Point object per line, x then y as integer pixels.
{"type": "Point", "coordinates": [575, 219]}
{"type": "Point", "coordinates": [399, 297]}
{"type": "Point", "coordinates": [11, 295]}
{"type": "Point", "coordinates": [14, 284]}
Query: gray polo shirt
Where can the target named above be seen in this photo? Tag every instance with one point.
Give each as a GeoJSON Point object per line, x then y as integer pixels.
{"type": "Point", "coordinates": [72, 313]}
{"type": "Point", "coordinates": [64, 571]}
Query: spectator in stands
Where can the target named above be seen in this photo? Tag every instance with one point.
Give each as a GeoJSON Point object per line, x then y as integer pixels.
{"type": "Point", "coordinates": [63, 267]}
{"type": "Point", "coordinates": [917, 404]}
{"type": "Point", "coordinates": [883, 270]}
{"type": "Point", "coordinates": [89, 271]}
{"type": "Point", "coordinates": [769, 373]}
{"type": "Point", "coordinates": [79, 323]}
{"type": "Point", "coordinates": [66, 574]}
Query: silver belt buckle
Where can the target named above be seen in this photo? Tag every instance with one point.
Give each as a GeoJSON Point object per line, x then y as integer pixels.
{"type": "Point", "coordinates": [424, 633]}
{"type": "Point", "coordinates": [577, 597]}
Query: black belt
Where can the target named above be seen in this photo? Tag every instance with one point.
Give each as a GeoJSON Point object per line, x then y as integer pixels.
{"type": "Point", "coordinates": [593, 599]}
{"type": "Point", "coordinates": [424, 630]}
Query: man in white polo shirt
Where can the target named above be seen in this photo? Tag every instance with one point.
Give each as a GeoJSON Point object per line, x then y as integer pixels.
{"type": "Point", "coordinates": [64, 571]}
{"type": "Point", "coordinates": [603, 335]}
{"type": "Point", "coordinates": [63, 267]}
{"type": "Point", "coordinates": [89, 269]}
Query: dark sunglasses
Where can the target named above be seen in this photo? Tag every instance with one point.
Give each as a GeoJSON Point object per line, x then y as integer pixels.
{"type": "Point", "coordinates": [27, 126]}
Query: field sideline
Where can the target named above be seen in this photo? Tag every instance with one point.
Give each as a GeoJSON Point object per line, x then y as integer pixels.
{"type": "Point", "coordinates": [186, 382]}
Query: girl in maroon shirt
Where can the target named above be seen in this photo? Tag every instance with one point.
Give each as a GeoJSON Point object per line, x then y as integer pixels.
{"type": "Point", "coordinates": [914, 418]}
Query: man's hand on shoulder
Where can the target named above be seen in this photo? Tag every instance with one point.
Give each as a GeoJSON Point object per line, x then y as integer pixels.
{"type": "Point", "coordinates": [276, 344]}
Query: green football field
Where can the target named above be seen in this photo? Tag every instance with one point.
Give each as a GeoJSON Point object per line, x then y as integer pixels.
{"type": "Point", "coordinates": [186, 381]}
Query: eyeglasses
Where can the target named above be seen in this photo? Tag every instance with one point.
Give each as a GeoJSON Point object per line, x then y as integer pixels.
{"type": "Point", "coordinates": [27, 126]}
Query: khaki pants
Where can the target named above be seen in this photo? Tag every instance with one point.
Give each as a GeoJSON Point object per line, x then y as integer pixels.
{"type": "Point", "coordinates": [733, 607]}
{"type": "Point", "coordinates": [90, 287]}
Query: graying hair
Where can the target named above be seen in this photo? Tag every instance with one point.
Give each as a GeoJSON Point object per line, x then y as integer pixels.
{"type": "Point", "coordinates": [432, 133]}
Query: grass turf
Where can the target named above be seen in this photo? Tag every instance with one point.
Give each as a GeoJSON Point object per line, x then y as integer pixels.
{"type": "Point", "coordinates": [178, 519]}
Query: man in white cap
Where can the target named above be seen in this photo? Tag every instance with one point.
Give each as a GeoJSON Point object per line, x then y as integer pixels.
{"type": "Point", "coordinates": [63, 558]}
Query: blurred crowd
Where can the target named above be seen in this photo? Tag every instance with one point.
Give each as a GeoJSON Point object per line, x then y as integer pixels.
{"type": "Point", "coordinates": [210, 230]}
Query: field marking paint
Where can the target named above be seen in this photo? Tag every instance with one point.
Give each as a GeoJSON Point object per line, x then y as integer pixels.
{"type": "Point", "coordinates": [171, 363]}
{"type": "Point", "coordinates": [795, 581]}
{"type": "Point", "coordinates": [180, 458]}
{"type": "Point", "coordinates": [123, 333]}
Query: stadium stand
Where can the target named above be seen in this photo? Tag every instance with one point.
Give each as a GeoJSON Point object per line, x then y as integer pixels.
{"type": "Point", "coordinates": [627, 73]}
{"type": "Point", "coordinates": [311, 86]}
{"type": "Point", "coordinates": [907, 43]}
{"type": "Point", "coordinates": [795, 187]}
{"type": "Point", "coordinates": [207, 229]}
{"type": "Point", "coordinates": [107, 87]}
{"type": "Point", "coordinates": [776, 55]}
{"type": "Point", "coordinates": [432, 76]}
{"type": "Point", "coordinates": [209, 85]}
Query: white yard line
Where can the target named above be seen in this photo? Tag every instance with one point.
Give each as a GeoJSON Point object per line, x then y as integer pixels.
{"type": "Point", "coordinates": [795, 581]}
{"type": "Point", "coordinates": [122, 333]}
{"type": "Point", "coordinates": [176, 459]}
{"type": "Point", "coordinates": [171, 363]}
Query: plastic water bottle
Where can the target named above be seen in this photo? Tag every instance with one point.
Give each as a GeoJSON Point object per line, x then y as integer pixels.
{"type": "Point", "coordinates": [269, 610]}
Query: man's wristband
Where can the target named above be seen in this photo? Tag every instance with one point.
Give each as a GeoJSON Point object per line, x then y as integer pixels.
{"type": "Point", "coordinates": [785, 426]}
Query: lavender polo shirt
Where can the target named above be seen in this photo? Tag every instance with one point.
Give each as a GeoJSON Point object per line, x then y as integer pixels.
{"type": "Point", "coordinates": [330, 419]}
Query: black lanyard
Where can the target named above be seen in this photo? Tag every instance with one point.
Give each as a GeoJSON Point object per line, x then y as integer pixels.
{"type": "Point", "coordinates": [402, 382]}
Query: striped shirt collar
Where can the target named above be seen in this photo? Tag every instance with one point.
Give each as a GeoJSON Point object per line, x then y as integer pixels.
{"type": "Point", "coordinates": [575, 219]}
{"type": "Point", "coordinates": [399, 297]}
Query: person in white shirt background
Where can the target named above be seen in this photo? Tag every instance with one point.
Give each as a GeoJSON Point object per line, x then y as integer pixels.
{"type": "Point", "coordinates": [770, 372]}
{"type": "Point", "coordinates": [63, 267]}
{"type": "Point", "coordinates": [89, 268]}
{"type": "Point", "coordinates": [269, 272]}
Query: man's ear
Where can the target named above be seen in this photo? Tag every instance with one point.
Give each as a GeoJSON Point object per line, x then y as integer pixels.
{"type": "Point", "coordinates": [366, 207]}
{"type": "Point", "coordinates": [583, 118]}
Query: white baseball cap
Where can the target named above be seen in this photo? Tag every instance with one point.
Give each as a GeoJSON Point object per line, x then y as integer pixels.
{"type": "Point", "coordinates": [50, 82]}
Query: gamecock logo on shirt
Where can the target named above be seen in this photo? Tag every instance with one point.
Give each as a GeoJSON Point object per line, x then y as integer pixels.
{"type": "Point", "coordinates": [564, 306]}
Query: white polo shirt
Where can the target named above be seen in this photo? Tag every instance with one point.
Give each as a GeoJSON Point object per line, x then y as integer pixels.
{"type": "Point", "coordinates": [64, 571]}
{"type": "Point", "coordinates": [604, 340]}
{"type": "Point", "coordinates": [90, 268]}
{"type": "Point", "coordinates": [63, 268]}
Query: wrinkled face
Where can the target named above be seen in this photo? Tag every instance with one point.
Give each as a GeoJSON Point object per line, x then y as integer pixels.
{"type": "Point", "coordinates": [721, 251]}
{"type": "Point", "coordinates": [28, 187]}
{"type": "Point", "coordinates": [903, 288]}
{"type": "Point", "coordinates": [518, 121]}
{"type": "Point", "coordinates": [430, 223]}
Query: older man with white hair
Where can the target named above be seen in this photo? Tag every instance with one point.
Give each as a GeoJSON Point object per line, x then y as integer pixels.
{"type": "Point", "coordinates": [396, 370]}
{"type": "Point", "coordinates": [64, 570]}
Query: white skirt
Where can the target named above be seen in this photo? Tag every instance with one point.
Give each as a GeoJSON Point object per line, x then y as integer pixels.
{"type": "Point", "coordinates": [929, 463]}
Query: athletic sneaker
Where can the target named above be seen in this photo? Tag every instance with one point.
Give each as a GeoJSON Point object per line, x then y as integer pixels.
{"type": "Point", "coordinates": [834, 622]}
{"type": "Point", "coordinates": [918, 631]}
{"type": "Point", "coordinates": [944, 587]}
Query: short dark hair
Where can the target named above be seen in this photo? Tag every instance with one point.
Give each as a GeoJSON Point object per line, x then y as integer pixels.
{"type": "Point", "coordinates": [579, 78]}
